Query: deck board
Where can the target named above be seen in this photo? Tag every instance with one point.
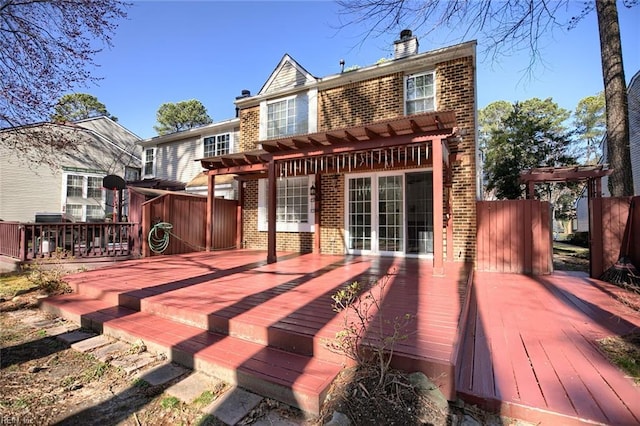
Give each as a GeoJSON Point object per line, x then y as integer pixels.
{"type": "Point", "coordinates": [539, 353]}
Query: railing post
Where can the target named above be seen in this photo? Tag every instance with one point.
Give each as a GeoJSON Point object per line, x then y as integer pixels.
{"type": "Point", "coordinates": [23, 243]}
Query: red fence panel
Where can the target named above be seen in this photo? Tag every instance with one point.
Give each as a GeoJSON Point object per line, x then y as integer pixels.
{"type": "Point", "coordinates": [10, 239]}
{"type": "Point", "coordinates": [188, 216]}
{"type": "Point", "coordinates": [608, 220]}
{"type": "Point", "coordinates": [514, 236]}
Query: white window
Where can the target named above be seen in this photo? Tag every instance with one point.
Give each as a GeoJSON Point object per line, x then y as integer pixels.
{"type": "Point", "coordinates": [289, 116]}
{"type": "Point", "coordinates": [149, 162]}
{"type": "Point", "coordinates": [75, 186]}
{"type": "Point", "coordinates": [217, 145]}
{"type": "Point", "coordinates": [420, 93]}
{"type": "Point", "coordinates": [74, 210]}
{"type": "Point", "coordinates": [294, 204]}
{"type": "Point", "coordinates": [95, 212]}
{"type": "Point", "coordinates": [131, 173]}
{"type": "Point", "coordinates": [94, 188]}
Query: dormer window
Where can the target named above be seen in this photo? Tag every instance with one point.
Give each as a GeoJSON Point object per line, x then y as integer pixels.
{"type": "Point", "coordinates": [289, 116]}
{"type": "Point", "coordinates": [217, 145]}
{"type": "Point", "coordinates": [420, 93]}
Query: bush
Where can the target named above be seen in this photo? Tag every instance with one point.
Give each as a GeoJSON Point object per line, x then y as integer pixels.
{"type": "Point", "coordinates": [368, 337]}
{"type": "Point", "coordinates": [47, 274]}
{"type": "Point", "coordinates": [579, 239]}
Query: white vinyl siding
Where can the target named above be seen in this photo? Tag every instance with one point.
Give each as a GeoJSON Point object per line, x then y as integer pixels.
{"type": "Point", "coordinates": [420, 93]}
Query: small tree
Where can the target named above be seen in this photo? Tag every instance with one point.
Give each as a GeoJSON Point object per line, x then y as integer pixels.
{"type": "Point", "coordinates": [368, 337]}
{"type": "Point", "coordinates": [184, 115]}
{"type": "Point", "coordinates": [590, 126]}
{"type": "Point", "coordinates": [47, 48]}
{"type": "Point", "coordinates": [532, 135]}
{"type": "Point", "coordinates": [79, 106]}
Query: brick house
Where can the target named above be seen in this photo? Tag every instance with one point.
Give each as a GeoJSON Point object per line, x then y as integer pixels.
{"type": "Point", "coordinates": [379, 160]}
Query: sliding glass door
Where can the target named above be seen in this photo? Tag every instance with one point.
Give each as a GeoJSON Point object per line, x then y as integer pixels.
{"type": "Point", "coordinates": [390, 213]}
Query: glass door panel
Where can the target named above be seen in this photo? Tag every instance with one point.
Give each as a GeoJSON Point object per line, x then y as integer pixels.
{"type": "Point", "coordinates": [359, 213]}
{"type": "Point", "coordinates": [419, 195]}
{"type": "Point", "coordinates": [390, 214]}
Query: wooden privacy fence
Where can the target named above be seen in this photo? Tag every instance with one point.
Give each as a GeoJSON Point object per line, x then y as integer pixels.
{"type": "Point", "coordinates": [514, 236]}
{"type": "Point", "coordinates": [187, 214]}
{"type": "Point", "coordinates": [608, 221]}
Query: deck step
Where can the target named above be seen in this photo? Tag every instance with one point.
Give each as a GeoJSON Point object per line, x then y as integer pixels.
{"type": "Point", "coordinates": [298, 380]}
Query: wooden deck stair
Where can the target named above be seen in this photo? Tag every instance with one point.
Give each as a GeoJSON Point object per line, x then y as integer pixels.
{"type": "Point", "coordinates": [295, 379]}
{"type": "Point", "coordinates": [265, 326]}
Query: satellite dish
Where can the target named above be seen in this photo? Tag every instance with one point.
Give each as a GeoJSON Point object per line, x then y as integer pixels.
{"type": "Point", "coordinates": [113, 182]}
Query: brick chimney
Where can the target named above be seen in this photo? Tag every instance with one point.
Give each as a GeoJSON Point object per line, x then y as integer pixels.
{"type": "Point", "coordinates": [406, 46]}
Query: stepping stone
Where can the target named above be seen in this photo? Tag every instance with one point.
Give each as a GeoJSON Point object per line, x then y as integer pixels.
{"type": "Point", "coordinates": [110, 351]}
{"type": "Point", "coordinates": [274, 418]}
{"type": "Point", "coordinates": [133, 362]}
{"type": "Point", "coordinates": [92, 343]}
{"type": "Point", "coordinates": [163, 374]}
{"type": "Point", "coordinates": [75, 336]}
{"type": "Point", "coordinates": [36, 322]}
{"type": "Point", "coordinates": [233, 406]}
{"type": "Point", "coordinates": [191, 387]}
{"type": "Point", "coordinates": [55, 331]}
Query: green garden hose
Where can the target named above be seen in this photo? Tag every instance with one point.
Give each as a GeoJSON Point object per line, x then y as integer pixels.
{"type": "Point", "coordinates": [159, 237]}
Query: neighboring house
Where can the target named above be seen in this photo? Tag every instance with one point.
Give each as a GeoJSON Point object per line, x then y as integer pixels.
{"type": "Point", "coordinates": [172, 157]}
{"type": "Point", "coordinates": [72, 182]}
{"type": "Point", "coordinates": [378, 160]}
{"type": "Point", "coordinates": [633, 99]}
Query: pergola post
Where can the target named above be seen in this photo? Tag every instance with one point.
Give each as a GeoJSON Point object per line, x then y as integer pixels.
{"type": "Point", "coordinates": [211, 196]}
{"type": "Point", "coordinates": [271, 213]}
{"type": "Point", "coordinates": [317, 217]}
{"type": "Point", "coordinates": [438, 209]}
{"type": "Point", "coordinates": [239, 214]}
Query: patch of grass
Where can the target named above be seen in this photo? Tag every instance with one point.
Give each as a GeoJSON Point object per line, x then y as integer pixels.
{"type": "Point", "coordinates": [14, 284]}
{"type": "Point", "coordinates": [96, 371]}
{"type": "Point", "coordinates": [624, 352]}
{"type": "Point", "coordinates": [170, 403]}
{"type": "Point", "coordinates": [140, 383]}
{"type": "Point", "coordinates": [205, 398]}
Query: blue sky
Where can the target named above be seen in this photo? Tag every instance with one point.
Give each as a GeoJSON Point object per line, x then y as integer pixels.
{"type": "Point", "coordinates": [211, 51]}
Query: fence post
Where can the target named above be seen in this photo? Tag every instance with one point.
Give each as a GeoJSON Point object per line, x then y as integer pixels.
{"type": "Point", "coordinates": [146, 227]}
{"type": "Point", "coordinates": [23, 243]}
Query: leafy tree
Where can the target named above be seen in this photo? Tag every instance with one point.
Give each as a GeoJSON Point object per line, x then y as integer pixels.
{"type": "Point", "coordinates": [590, 126]}
{"type": "Point", "coordinates": [520, 25]}
{"type": "Point", "coordinates": [79, 106]}
{"type": "Point", "coordinates": [531, 135]}
{"type": "Point", "coordinates": [490, 118]}
{"type": "Point", "coordinates": [184, 115]}
{"type": "Point", "coordinates": [47, 48]}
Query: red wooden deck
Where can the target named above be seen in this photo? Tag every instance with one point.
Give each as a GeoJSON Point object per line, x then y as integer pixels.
{"type": "Point", "coordinates": [522, 346]}
{"type": "Point", "coordinates": [241, 317]}
{"type": "Point", "coordinates": [530, 353]}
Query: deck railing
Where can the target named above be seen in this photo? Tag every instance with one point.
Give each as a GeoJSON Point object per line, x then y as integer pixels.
{"type": "Point", "coordinates": [28, 241]}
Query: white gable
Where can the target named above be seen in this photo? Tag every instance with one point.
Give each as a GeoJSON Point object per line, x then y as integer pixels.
{"type": "Point", "coordinates": [287, 75]}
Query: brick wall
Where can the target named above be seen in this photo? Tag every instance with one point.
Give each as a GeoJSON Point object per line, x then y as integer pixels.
{"type": "Point", "coordinates": [285, 241]}
{"type": "Point", "coordinates": [359, 103]}
{"type": "Point", "coordinates": [249, 128]}
{"type": "Point", "coordinates": [332, 214]}
{"type": "Point", "coordinates": [455, 88]}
